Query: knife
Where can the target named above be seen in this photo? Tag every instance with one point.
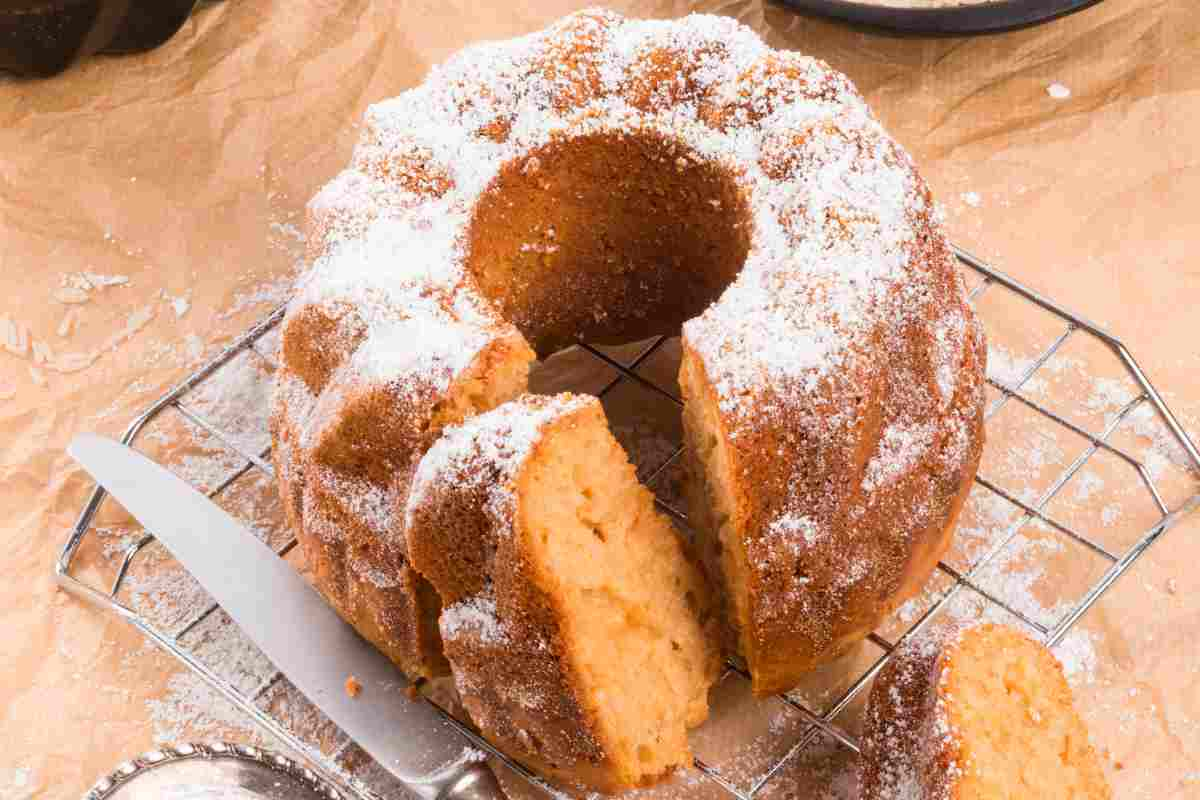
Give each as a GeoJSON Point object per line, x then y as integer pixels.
{"type": "Point", "coordinates": [293, 626]}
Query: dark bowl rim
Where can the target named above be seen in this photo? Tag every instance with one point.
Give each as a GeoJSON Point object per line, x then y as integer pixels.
{"type": "Point", "coordinates": [999, 16]}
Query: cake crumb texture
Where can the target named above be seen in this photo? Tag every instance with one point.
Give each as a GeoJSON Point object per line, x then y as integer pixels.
{"type": "Point", "coordinates": [981, 712]}
{"type": "Point", "coordinates": [575, 624]}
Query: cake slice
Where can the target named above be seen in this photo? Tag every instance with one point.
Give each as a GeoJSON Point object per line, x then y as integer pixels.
{"type": "Point", "coordinates": [573, 619]}
{"type": "Point", "coordinates": [979, 713]}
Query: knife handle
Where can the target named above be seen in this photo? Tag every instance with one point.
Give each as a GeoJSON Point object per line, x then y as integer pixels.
{"type": "Point", "coordinates": [475, 782]}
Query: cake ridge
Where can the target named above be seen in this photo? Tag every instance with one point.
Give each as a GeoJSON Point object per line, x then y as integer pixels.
{"type": "Point", "coordinates": [487, 449]}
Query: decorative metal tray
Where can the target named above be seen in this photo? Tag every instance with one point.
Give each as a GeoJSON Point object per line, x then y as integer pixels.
{"type": "Point", "coordinates": [1032, 402]}
{"type": "Point", "coordinates": [216, 771]}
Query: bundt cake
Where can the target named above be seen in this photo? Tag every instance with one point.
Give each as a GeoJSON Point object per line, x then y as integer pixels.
{"type": "Point", "coordinates": [572, 618]}
{"type": "Point", "coordinates": [607, 179]}
{"type": "Point", "coordinates": [978, 712]}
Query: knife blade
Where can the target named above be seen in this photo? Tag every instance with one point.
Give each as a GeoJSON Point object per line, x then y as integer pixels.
{"type": "Point", "coordinates": [286, 618]}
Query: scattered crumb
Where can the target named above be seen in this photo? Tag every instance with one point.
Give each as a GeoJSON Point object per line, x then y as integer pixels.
{"type": "Point", "coordinates": [21, 784]}
{"type": "Point", "coordinates": [1058, 91]}
{"type": "Point", "coordinates": [99, 281]}
{"type": "Point", "coordinates": [1172, 586]}
{"type": "Point", "coordinates": [1087, 484]}
{"type": "Point", "coordinates": [67, 326]}
{"type": "Point", "coordinates": [972, 199]}
{"type": "Point", "coordinates": [74, 362]}
{"type": "Point", "coordinates": [194, 345]}
{"type": "Point", "coordinates": [42, 353]}
{"type": "Point", "coordinates": [180, 305]}
{"type": "Point", "coordinates": [353, 687]}
{"type": "Point", "coordinates": [71, 295]}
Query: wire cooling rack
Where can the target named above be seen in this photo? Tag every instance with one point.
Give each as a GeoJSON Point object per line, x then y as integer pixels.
{"type": "Point", "coordinates": [1040, 405]}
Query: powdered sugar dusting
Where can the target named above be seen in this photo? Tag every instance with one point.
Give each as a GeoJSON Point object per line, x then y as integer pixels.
{"type": "Point", "coordinates": [821, 262]}
{"type": "Point", "coordinates": [476, 615]}
{"type": "Point", "coordinates": [845, 257]}
{"type": "Point", "coordinates": [191, 705]}
{"type": "Point", "coordinates": [371, 504]}
{"type": "Point", "coordinates": [795, 136]}
{"type": "Point", "coordinates": [900, 448]}
{"type": "Point", "coordinates": [948, 336]}
{"type": "Point", "coordinates": [1077, 654]}
{"type": "Point", "coordinates": [897, 742]}
{"type": "Point", "coordinates": [796, 532]}
{"type": "Point", "coordinates": [491, 448]}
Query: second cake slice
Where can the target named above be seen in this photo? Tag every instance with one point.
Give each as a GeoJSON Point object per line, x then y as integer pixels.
{"type": "Point", "coordinates": [574, 622]}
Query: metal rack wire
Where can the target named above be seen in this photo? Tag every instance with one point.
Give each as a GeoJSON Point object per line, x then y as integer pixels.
{"type": "Point", "coordinates": [816, 722]}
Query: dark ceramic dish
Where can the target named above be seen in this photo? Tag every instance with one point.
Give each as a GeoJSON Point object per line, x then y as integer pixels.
{"type": "Point", "coordinates": [44, 37]}
{"type": "Point", "coordinates": [986, 17]}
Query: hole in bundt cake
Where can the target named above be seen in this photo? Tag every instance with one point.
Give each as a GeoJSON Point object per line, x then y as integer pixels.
{"type": "Point", "coordinates": [607, 238]}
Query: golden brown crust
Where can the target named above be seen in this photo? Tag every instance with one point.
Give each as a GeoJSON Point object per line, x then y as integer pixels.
{"type": "Point", "coordinates": [372, 585]}
{"type": "Point", "coordinates": [867, 545]}
{"type": "Point", "coordinates": [368, 582]}
{"type": "Point", "coordinates": [343, 460]}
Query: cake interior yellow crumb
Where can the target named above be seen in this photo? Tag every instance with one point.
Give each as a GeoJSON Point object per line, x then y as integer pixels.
{"type": "Point", "coordinates": [1013, 715]}
{"type": "Point", "coordinates": [632, 607]}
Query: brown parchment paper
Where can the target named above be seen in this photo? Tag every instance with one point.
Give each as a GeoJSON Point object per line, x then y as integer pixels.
{"type": "Point", "coordinates": [184, 171]}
